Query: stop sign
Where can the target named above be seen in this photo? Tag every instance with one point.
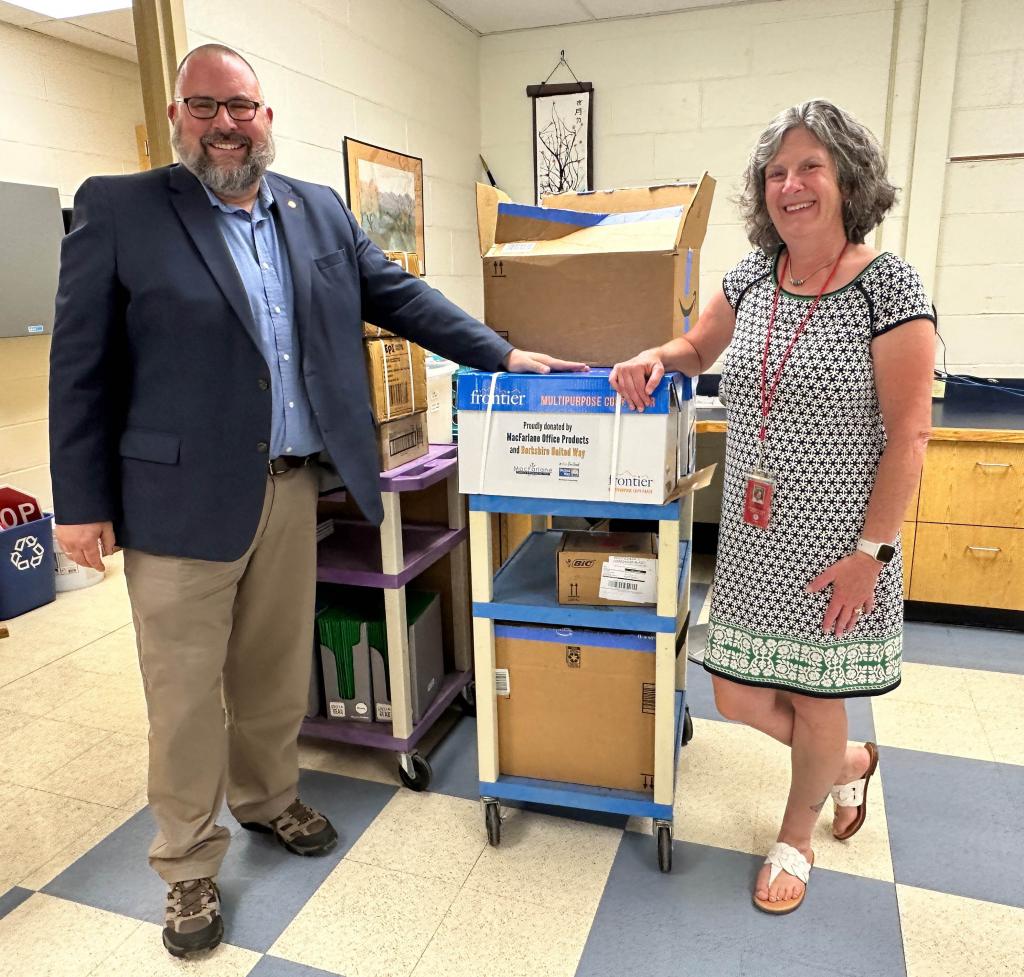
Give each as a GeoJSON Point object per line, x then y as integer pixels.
{"type": "Point", "coordinates": [17, 507]}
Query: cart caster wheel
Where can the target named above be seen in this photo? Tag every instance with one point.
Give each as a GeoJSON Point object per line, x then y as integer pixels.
{"type": "Point", "coordinates": [492, 818]}
{"type": "Point", "coordinates": [420, 778]}
{"type": "Point", "coordinates": [467, 699]}
{"type": "Point", "coordinates": [664, 848]}
{"type": "Point", "coordinates": [687, 728]}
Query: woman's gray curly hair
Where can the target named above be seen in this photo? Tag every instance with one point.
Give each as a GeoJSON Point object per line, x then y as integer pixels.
{"type": "Point", "coordinates": [860, 167]}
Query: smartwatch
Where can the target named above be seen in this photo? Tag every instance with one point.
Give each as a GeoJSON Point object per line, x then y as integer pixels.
{"type": "Point", "coordinates": [883, 552]}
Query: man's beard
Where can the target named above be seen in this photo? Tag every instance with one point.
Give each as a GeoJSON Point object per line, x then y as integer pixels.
{"type": "Point", "coordinates": [229, 180]}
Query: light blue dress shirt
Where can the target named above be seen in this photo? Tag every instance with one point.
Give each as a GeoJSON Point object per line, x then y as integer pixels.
{"type": "Point", "coordinates": [262, 263]}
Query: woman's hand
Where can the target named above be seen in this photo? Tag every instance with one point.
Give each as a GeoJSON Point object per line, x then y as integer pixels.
{"type": "Point", "coordinates": [638, 378]}
{"type": "Point", "coordinates": [853, 581]}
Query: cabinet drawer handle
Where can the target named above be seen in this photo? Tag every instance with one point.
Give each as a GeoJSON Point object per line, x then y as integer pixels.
{"type": "Point", "coordinates": [985, 549]}
{"type": "Point", "coordinates": [993, 464]}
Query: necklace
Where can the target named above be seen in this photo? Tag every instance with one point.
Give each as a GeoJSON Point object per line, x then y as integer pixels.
{"type": "Point", "coordinates": [799, 281]}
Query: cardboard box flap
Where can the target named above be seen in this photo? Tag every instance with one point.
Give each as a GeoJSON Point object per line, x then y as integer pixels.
{"type": "Point", "coordinates": [692, 483]}
{"type": "Point", "coordinates": [487, 200]}
{"type": "Point", "coordinates": [695, 225]}
{"type": "Point", "coordinates": [625, 199]}
{"type": "Point", "coordinates": [526, 231]}
{"type": "Point", "coordinates": [609, 544]}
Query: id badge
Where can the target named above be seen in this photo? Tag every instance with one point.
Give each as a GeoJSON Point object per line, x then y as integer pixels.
{"type": "Point", "coordinates": [757, 499]}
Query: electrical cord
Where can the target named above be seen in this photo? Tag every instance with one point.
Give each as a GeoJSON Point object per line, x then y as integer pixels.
{"type": "Point", "coordinates": [965, 380]}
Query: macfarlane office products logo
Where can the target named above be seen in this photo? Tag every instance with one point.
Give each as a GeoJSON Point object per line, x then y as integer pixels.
{"type": "Point", "coordinates": [532, 469]}
{"type": "Point", "coordinates": [501, 398]}
{"type": "Point", "coordinates": [569, 471]}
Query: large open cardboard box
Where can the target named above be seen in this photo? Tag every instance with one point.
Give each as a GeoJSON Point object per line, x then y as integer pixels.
{"type": "Point", "coordinates": [594, 276]}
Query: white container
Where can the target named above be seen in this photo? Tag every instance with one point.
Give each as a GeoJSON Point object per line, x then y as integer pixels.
{"type": "Point", "coordinates": [439, 400]}
{"type": "Point", "coordinates": [567, 436]}
{"type": "Point", "coordinates": [69, 575]}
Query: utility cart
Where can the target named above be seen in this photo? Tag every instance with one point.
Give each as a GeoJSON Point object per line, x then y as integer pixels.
{"type": "Point", "coordinates": [358, 554]}
{"type": "Point", "coordinates": [524, 590]}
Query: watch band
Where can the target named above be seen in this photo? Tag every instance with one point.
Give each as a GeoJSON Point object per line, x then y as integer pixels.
{"type": "Point", "coordinates": [882, 552]}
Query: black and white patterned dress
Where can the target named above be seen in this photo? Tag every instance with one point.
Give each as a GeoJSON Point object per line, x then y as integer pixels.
{"type": "Point", "coordinates": [825, 438]}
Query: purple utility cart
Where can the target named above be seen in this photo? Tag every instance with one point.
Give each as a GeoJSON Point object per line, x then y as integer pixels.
{"type": "Point", "coordinates": [360, 555]}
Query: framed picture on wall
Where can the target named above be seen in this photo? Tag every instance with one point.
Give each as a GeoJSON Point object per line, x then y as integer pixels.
{"type": "Point", "coordinates": [385, 192]}
{"type": "Point", "coordinates": [563, 138]}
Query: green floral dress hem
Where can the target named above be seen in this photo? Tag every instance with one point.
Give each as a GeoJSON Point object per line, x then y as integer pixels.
{"type": "Point", "coordinates": [859, 666]}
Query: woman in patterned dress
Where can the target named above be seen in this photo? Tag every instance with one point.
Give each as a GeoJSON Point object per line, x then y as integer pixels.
{"type": "Point", "coordinates": [827, 387]}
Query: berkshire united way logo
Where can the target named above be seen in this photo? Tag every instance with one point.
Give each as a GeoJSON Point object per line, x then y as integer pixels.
{"type": "Point", "coordinates": [27, 554]}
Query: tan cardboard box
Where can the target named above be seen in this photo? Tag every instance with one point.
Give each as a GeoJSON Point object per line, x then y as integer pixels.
{"type": "Point", "coordinates": [410, 262]}
{"type": "Point", "coordinates": [592, 567]}
{"type": "Point", "coordinates": [593, 288]}
{"type": "Point", "coordinates": [398, 377]}
{"type": "Point", "coordinates": [402, 440]}
{"type": "Point", "coordinates": [579, 706]}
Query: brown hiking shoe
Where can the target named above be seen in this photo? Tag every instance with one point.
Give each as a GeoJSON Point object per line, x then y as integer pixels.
{"type": "Point", "coordinates": [300, 829]}
{"type": "Point", "coordinates": [192, 920]}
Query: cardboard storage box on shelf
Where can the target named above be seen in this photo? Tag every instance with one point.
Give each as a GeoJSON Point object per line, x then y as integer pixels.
{"type": "Point", "coordinates": [576, 705]}
{"type": "Point", "coordinates": [608, 568]}
{"type": "Point", "coordinates": [402, 440]}
{"type": "Point", "coordinates": [594, 276]}
{"type": "Point", "coordinates": [561, 435]}
{"type": "Point", "coordinates": [353, 650]}
{"type": "Point", "coordinates": [410, 262]}
{"type": "Point", "coordinates": [397, 371]}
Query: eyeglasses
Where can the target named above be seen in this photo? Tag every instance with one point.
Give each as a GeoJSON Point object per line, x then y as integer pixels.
{"type": "Point", "coordinates": [204, 107]}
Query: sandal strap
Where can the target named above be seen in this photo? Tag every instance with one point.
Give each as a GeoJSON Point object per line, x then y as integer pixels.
{"type": "Point", "coordinates": [786, 858]}
{"type": "Point", "coordinates": [849, 795]}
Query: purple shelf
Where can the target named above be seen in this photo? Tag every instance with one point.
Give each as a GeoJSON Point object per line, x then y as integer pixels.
{"type": "Point", "coordinates": [351, 555]}
{"type": "Point", "coordinates": [437, 464]}
{"type": "Point", "coordinates": [381, 735]}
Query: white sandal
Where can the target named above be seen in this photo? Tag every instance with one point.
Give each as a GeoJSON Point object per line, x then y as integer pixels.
{"type": "Point", "coordinates": [855, 794]}
{"type": "Point", "coordinates": [785, 858]}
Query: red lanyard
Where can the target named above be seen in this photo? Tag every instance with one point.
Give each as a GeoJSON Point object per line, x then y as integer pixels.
{"type": "Point", "coordinates": [768, 393]}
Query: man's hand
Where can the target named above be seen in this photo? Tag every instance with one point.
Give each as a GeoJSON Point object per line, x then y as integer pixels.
{"type": "Point", "coordinates": [638, 378]}
{"type": "Point", "coordinates": [87, 542]}
{"type": "Point", "coordinates": [519, 361]}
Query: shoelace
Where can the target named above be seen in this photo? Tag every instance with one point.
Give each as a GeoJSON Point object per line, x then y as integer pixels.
{"type": "Point", "coordinates": [301, 813]}
{"type": "Point", "coordinates": [193, 898]}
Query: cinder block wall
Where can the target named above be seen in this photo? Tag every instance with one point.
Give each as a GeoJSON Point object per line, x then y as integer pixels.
{"type": "Point", "coordinates": [395, 73]}
{"type": "Point", "coordinates": [680, 93]}
{"type": "Point", "coordinates": [66, 113]}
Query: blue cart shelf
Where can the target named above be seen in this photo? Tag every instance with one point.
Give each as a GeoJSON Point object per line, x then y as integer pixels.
{"type": "Point", "coordinates": [525, 590]}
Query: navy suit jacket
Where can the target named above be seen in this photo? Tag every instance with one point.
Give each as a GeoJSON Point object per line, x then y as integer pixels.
{"type": "Point", "coordinates": [160, 404]}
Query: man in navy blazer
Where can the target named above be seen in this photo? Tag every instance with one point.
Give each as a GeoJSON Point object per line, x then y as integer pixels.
{"type": "Point", "coordinates": [207, 349]}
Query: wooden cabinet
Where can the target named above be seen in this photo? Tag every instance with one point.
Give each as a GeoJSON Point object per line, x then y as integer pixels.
{"type": "Point", "coordinates": [908, 539]}
{"type": "Point", "coordinates": [968, 542]}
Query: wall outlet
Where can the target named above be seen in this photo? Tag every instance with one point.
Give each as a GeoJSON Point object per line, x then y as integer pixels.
{"type": "Point", "coordinates": [938, 389]}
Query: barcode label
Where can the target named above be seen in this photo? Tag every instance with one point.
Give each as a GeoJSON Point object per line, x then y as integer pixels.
{"type": "Point", "coordinates": [399, 394]}
{"type": "Point", "coordinates": [404, 442]}
{"type": "Point", "coordinates": [647, 705]}
{"type": "Point", "coordinates": [337, 710]}
{"type": "Point", "coordinates": [628, 578]}
{"type": "Point", "coordinates": [383, 711]}
{"type": "Point", "coordinates": [501, 682]}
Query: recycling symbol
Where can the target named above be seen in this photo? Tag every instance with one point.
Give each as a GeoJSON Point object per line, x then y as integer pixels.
{"type": "Point", "coordinates": [27, 554]}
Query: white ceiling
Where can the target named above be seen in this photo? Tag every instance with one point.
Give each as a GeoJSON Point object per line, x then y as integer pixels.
{"type": "Point", "coordinates": [494, 16]}
{"type": "Point", "coordinates": [112, 32]}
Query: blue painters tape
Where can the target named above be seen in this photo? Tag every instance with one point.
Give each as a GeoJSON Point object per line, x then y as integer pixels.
{"type": "Point", "coordinates": [577, 636]}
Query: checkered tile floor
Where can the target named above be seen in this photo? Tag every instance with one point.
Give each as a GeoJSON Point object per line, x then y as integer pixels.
{"type": "Point", "coordinates": [931, 886]}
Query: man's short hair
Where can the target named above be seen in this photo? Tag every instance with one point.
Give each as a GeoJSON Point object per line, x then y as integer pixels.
{"type": "Point", "coordinates": [212, 48]}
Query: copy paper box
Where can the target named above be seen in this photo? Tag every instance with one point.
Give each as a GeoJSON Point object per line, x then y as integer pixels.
{"type": "Point", "coordinates": [594, 276]}
{"type": "Point", "coordinates": [562, 435]}
{"type": "Point", "coordinates": [410, 262]}
{"type": "Point", "coordinates": [402, 441]}
{"type": "Point", "coordinates": [578, 705]}
{"type": "Point", "coordinates": [398, 377]}
{"type": "Point", "coordinates": [608, 568]}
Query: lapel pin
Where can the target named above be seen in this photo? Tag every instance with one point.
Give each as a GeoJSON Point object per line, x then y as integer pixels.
{"type": "Point", "coordinates": [292, 203]}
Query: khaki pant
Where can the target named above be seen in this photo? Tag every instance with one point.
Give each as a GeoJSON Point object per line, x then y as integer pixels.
{"type": "Point", "coordinates": [225, 651]}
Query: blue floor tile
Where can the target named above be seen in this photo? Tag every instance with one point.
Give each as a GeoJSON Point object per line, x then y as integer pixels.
{"type": "Point", "coordinates": [276, 967]}
{"type": "Point", "coordinates": [13, 898]}
{"type": "Point", "coordinates": [698, 921]}
{"type": "Point", "coordinates": [954, 824]}
{"type": "Point", "coordinates": [263, 887]}
{"type": "Point", "coordinates": [961, 647]}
